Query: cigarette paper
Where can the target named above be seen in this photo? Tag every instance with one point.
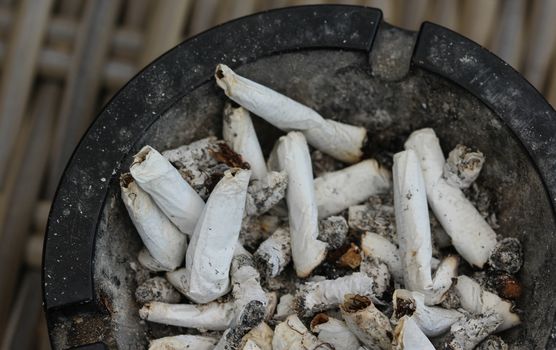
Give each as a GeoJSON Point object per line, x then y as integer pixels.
{"type": "Point", "coordinates": [274, 254]}
{"type": "Point", "coordinates": [442, 281]}
{"type": "Point", "coordinates": [165, 243]}
{"type": "Point", "coordinates": [412, 221]}
{"type": "Point", "coordinates": [263, 195]}
{"type": "Point", "coordinates": [292, 334]}
{"type": "Point", "coordinates": [247, 291]}
{"type": "Point", "coordinates": [432, 320]}
{"type": "Point", "coordinates": [378, 272]}
{"type": "Point", "coordinates": [285, 307]}
{"type": "Point", "coordinates": [313, 297]}
{"type": "Point", "coordinates": [212, 316]}
{"type": "Point", "coordinates": [195, 163]}
{"type": "Point", "coordinates": [341, 189]}
{"type": "Point", "coordinates": [341, 141]}
{"type": "Point", "coordinates": [382, 249]}
{"type": "Point", "coordinates": [463, 166]}
{"type": "Point", "coordinates": [366, 322]}
{"type": "Point", "coordinates": [172, 194]}
{"type": "Point", "coordinates": [334, 332]}
{"type": "Point", "coordinates": [147, 261]}
{"type": "Point", "coordinates": [408, 336]}
{"type": "Point", "coordinates": [307, 251]}
{"type": "Point", "coordinates": [468, 333]}
{"type": "Point", "coordinates": [210, 251]}
{"type": "Point", "coordinates": [179, 342]}
{"type": "Point", "coordinates": [157, 289]}
{"type": "Point", "coordinates": [261, 336]}
{"type": "Point", "coordinates": [471, 235]}
{"type": "Point", "coordinates": [250, 345]}
{"type": "Point", "coordinates": [239, 133]}
{"type": "Point", "coordinates": [478, 301]}
{"type": "Point", "coordinates": [271, 303]}
{"type": "Point", "coordinates": [333, 230]}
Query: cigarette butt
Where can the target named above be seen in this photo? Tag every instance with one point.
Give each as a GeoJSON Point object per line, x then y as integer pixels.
{"type": "Point", "coordinates": [239, 133]}
{"type": "Point", "coordinates": [183, 342]}
{"type": "Point", "coordinates": [469, 332]}
{"type": "Point", "coordinates": [341, 189]}
{"type": "Point", "coordinates": [333, 230]}
{"type": "Point", "coordinates": [341, 141]}
{"type": "Point", "coordinates": [412, 221]}
{"type": "Point", "coordinates": [285, 307]}
{"type": "Point", "coordinates": [463, 166]}
{"type": "Point", "coordinates": [250, 345]}
{"type": "Point", "coordinates": [471, 235]}
{"type": "Point", "coordinates": [432, 320]}
{"type": "Point", "coordinates": [147, 261]}
{"type": "Point", "coordinates": [263, 195]}
{"type": "Point", "coordinates": [382, 249]}
{"type": "Point", "coordinates": [334, 332]}
{"type": "Point", "coordinates": [507, 256]}
{"type": "Point", "coordinates": [261, 336]}
{"type": "Point", "coordinates": [408, 336]}
{"type": "Point", "coordinates": [445, 273]}
{"type": "Point", "coordinates": [314, 297]}
{"type": "Point", "coordinates": [172, 194]}
{"type": "Point", "coordinates": [366, 322]}
{"type": "Point", "coordinates": [307, 251]}
{"type": "Point", "coordinates": [274, 254]}
{"type": "Point", "coordinates": [211, 249]}
{"type": "Point", "coordinates": [351, 258]}
{"type": "Point", "coordinates": [255, 229]}
{"type": "Point", "coordinates": [292, 334]}
{"type": "Point", "coordinates": [478, 301]}
{"type": "Point", "coordinates": [165, 243]}
{"type": "Point", "coordinates": [271, 303]}
{"type": "Point", "coordinates": [378, 271]}
{"type": "Point", "coordinates": [212, 316]}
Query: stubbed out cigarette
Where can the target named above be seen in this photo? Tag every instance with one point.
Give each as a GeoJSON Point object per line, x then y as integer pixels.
{"type": "Point", "coordinates": [382, 249]}
{"type": "Point", "coordinates": [172, 194]}
{"type": "Point", "coordinates": [255, 229]}
{"type": "Point", "coordinates": [341, 141]}
{"type": "Point", "coordinates": [210, 251]}
{"type": "Point", "coordinates": [478, 301]}
{"type": "Point", "coordinates": [366, 322]}
{"type": "Point", "coordinates": [285, 307]}
{"type": "Point", "coordinates": [250, 345]}
{"type": "Point", "coordinates": [147, 261]}
{"type": "Point", "coordinates": [468, 333]}
{"type": "Point", "coordinates": [471, 235]}
{"type": "Point", "coordinates": [261, 336]}
{"type": "Point", "coordinates": [379, 273]}
{"type": "Point", "coordinates": [247, 291]}
{"type": "Point", "coordinates": [493, 342]}
{"type": "Point", "coordinates": [432, 320]}
{"type": "Point", "coordinates": [239, 133]}
{"type": "Point", "coordinates": [157, 289]}
{"type": "Point", "coordinates": [463, 166]}
{"type": "Point", "coordinates": [293, 156]}
{"type": "Point", "coordinates": [408, 336]}
{"type": "Point", "coordinates": [183, 342]}
{"type": "Point", "coordinates": [274, 253]}
{"type": "Point", "coordinates": [333, 230]}
{"type": "Point", "coordinates": [292, 334]}
{"type": "Point", "coordinates": [165, 243]}
{"type": "Point", "coordinates": [341, 189]}
{"type": "Point", "coordinates": [212, 316]}
{"type": "Point", "coordinates": [264, 194]}
{"type": "Point", "coordinates": [313, 297]}
{"type": "Point", "coordinates": [442, 280]}
{"type": "Point", "coordinates": [412, 221]}
{"type": "Point", "coordinates": [334, 332]}
{"type": "Point", "coordinates": [271, 304]}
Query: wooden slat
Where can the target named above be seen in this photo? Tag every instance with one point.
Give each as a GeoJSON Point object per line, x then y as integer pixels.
{"type": "Point", "coordinates": [165, 29]}
{"type": "Point", "coordinates": [414, 13]}
{"type": "Point", "coordinates": [136, 13]}
{"type": "Point", "coordinates": [446, 13]}
{"type": "Point", "coordinates": [541, 42]}
{"type": "Point", "coordinates": [478, 19]}
{"type": "Point", "coordinates": [25, 315]}
{"type": "Point", "coordinates": [509, 33]}
{"type": "Point", "coordinates": [81, 89]}
{"type": "Point", "coordinates": [25, 192]}
{"type": "Point", "coordinates": [203, 14]}
{"type": "Point", "coordinates": [18, 72]}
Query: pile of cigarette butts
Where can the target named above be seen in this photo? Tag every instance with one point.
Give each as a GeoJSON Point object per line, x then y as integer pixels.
{"type": "Point", "coordinates": [248, 253]}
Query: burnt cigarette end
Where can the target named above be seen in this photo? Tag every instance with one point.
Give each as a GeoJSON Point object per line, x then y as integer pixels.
{"type": "Point", "coordinates": [224, 154]}
{"type": "Point", "coordinates": [507, 256]}
{"type": "Point", "coordinates": [404, 307]}
{"type": "Point", "coordinates": [333, 230]}
{"type": "Point", "coordinates": [351, 258]}
{"type": "Point", "coordinates": [141, 155]}
{"type": "Point", "coordinates": [508, 287]}
{"type": "Point", "coordinates": [157, 289]}
{"type": "Point", "coordinates": [355, 302]}
{"type": "Point", "coordinates": [125, 180]}
{"type": "Point", "coordinates": [219, 73]}
{"type": "Point", "coordinates": [319, 319]}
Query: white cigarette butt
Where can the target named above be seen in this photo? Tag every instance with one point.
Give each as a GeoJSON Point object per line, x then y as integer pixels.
{"type": "Point", "coordinates": [408, 336]}
{"type": "Point", "coordinates": [292, 334]}
{"type": "Point", "coordinates": [382, 249]}
{"type": "Point", "coordinates": [334, 332]}
{"type": "Point", "coordinates": [179, 342]}
{"type": "Point", "coordinates": [274, 254]}
{"type": "Point", "coordinates": [341, 141]}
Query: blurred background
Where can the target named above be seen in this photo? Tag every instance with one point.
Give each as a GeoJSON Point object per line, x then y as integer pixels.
{"type": "Point", "coordinates": [62, 60]}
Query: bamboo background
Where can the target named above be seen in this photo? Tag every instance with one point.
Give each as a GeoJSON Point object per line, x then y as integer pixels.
{"type": "Point", "coordinates": [61, 60]}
